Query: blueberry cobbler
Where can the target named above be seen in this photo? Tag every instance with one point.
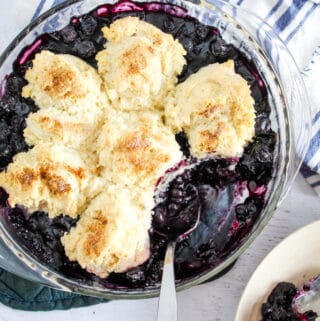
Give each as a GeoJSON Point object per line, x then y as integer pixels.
{"type": "Point", "coordinates": [280, 307]}
{"type": "Point", "coordinates": [125, 122]}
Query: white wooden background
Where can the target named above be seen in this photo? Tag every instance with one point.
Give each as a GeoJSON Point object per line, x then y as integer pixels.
{"type": "Point", "coordinates": [215, 301]}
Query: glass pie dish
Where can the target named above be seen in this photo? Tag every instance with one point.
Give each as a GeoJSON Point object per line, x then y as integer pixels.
{"type": "Point", "coordinates": [286, 95]}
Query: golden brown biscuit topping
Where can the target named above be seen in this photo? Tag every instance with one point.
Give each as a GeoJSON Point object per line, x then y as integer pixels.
{"type": "Point", "coordinates": [95, 239]}
{"type": "Point", "coordinates": [139, 151]}
{"type": "Point", "coordinates": [26, 176]}
{"type": "Point", "coordinates": [55, 77]}
{"type": "Point", "coordinates": [62, 82]}
{"type": "Point", "coordinates": [215, 109]}
{"type": "Point", "coordinates": [110, 235]}
{"type": "Point", "coordinates": [140, 64]}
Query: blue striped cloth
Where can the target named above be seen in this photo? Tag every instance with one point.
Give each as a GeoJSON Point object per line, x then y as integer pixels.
{"type": "Point", "coordinates": [298, 24]}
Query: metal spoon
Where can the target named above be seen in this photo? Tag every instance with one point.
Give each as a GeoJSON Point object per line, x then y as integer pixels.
{"type": "Point", "coordinates": [308, 298]}
{"type": "Point", "coordinates": [175, 226]}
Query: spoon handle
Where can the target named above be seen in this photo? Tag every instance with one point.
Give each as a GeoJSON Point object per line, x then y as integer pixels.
{"type": "Point", "coordinates": [167, 310]}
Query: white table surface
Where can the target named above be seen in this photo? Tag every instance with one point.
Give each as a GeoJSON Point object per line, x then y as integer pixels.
{"type": "Point", "coordinates": [214, 301]}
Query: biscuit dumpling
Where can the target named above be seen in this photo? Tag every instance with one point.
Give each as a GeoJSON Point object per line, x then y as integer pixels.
{"type": "Point", "coordinates": [62, 81]}
{"type": "Point", "coordinates": [51, 125]}
{"type": "Point", "coordinates": [139, 64]}
{"type": "Point", "coordinates": [135, 149]}
{"type": "Point", "coordinates": [51, 178]}
{"type": "Point", "coordinates": [69, 94]}
{"type": "Point", "coordinates": [215, 109]}
{"type": "Point", "coordinates": [111, 236]}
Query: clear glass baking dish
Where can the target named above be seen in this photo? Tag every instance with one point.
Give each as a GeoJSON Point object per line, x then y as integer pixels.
{"type": "Point", "coordinates": [290, 120]}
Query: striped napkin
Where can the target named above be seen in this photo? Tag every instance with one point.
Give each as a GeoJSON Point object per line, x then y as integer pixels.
{"type": "Point", "coordinates": [296, 22]}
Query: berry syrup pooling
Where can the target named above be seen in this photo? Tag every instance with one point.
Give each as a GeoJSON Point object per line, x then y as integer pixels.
{"type": "Point", "coordinates": [230, 192]}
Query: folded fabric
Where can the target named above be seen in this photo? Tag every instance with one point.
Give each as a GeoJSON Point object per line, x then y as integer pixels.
{"type": "Point", "coordinates": [311, 74]}
{"type": "Point", "coordinates": [26, 295]}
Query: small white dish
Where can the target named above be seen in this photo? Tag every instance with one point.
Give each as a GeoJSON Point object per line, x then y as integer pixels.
{"type": "Point", "coordinates": [296, 259]}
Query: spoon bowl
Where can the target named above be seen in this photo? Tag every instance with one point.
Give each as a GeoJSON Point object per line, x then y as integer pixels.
{"type": "Point", "coordinates": [180, 220]}
{"type": "Point", "coordinates": [308, 298]}
{"type": "Point", "coordinates": [175, 225]}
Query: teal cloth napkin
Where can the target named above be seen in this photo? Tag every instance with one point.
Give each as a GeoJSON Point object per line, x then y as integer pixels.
{"type": "Point", "coordinates": [22, 294]}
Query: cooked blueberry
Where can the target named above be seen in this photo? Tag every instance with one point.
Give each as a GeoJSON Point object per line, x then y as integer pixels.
{"type": "Point", "coordinates": [169, 25]}
{"type": "Point", "coordinates": [21, 108]}
{"type": "Point", "coordinates": [215, 172]}
{"type": "Point", "coordinates": [135, 278]}
{"type": "Point", "coordinates": [136, 275]}
{"type": "Point", "coordinates": [63, 223]}
{"type": "Point", "coordinates": [252, 185]}
{"type": "Point", "coordinates": [182, 32]}
{"type": "Point", "coordinates": [182, 140]}
{"type": "Point", "coordinates": [264, 155]}
{"type": "Point", "coordinates": [17, 122]}
{"type": "Point", "coordinates": [180, 210]}
{"type": "Point", "coordinates": [257, 160]}
{"type": "Point", "coordinates": [88, 24]}
{"type": "Point", "coordinates": [202, 32]}
{"type": "Point", "coordinates": [5, 130]}
{"type": "Point", "coordinates": [160, 216]}
{"type": "Point", "coordinates": [84, 49]}
{"type": "Point", "coordinates": [3, 197]}
{"type": "Point", "coordinates": [241, 212]}
{"type": "Point", "coordinates": [99, 39]}
{"type": "Point", "coordinates": [279, 304]}
{"type": "Point", "coordinates": [68, 34]}
{"type": "Point", "coordinates": [31, 104]}
{"type": "Point", "coordinates": [5, 151]}
{"type": "Point", "coordinates": [197, 50]}
{"type": "Point", "coordinates": [219, 48]}
{"type": "Point", "coordinates": [42, 235]}
{"type": "Point", "coordinates": [207, 251]}
{"type": "Point", "coordinates": [15, 83]}
{"type": "Point", "coordinates": [187, 43]}
{"type": "Point", "coordinates": [263, 123]}
{"type": "Point", "coordinates": [262, 106]}
{"type": "Point", "coordinates": [242, 67]}
{"type": "Point", "coordinates": [310, 316]}
{"type": "Point", "coordinates": [7, 103]}
{"type": "Point", "coordinates": [154, 271]}
{"type": "Point", "coordinates": [18, 144]}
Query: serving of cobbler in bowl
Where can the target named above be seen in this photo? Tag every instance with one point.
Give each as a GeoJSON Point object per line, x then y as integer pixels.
{"type": "Point", "coordinates": [119, 119]}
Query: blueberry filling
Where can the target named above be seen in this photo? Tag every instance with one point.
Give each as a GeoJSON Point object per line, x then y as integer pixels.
{"type": "Point", "coordinates": [279, 305]}
{"type": "Point", "coordinates": [179, 212]}
{"type": "Point", "coordinates": [13, 111]}
{"type": "Point", "coordinates": [230, 192]}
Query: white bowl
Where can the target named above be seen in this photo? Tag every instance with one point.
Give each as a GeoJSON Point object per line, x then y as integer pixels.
{"type": "Point", "coordinates": [296, 259]}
